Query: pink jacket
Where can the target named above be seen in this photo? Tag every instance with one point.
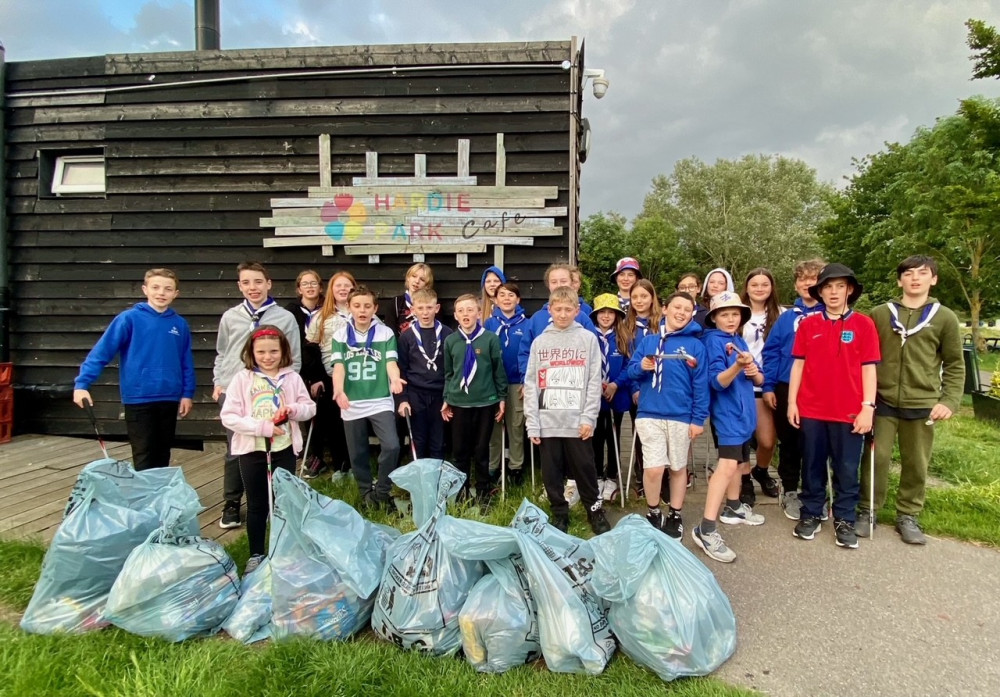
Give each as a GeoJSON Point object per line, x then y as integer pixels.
{"type": "Point", "coordinates": [236, 410]}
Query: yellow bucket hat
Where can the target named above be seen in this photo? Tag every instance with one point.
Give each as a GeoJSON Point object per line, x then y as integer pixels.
{"type": "Point", "coordinates": [606, 301]}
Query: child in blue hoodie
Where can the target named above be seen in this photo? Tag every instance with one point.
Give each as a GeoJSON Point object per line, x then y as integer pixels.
{"type": "Point", "coordinates": [508, 322]}
{"type": "Point", "coordinates": [777, 358]}
{"type": "Point", "coordinates": [732, 374]}
{"type": "Point", "coordinates": [615, 391]}
{"type": "Point", "coordinates": [673, 406]}
{"type": "Point", "coordinates": [491, 280]}
{"type": "Point", "coordinates": [156, 372]}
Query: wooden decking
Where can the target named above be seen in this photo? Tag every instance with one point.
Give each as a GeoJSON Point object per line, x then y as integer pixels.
{"type": "Point", "coordinates": [37, 473]}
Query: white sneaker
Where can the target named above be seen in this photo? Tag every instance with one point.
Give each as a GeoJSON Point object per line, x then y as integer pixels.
{"type": "Point", "coordinates": [610, 490]}
{"type": "Point", "coordinates": [743, 515]}
{"type": "Point", "coordinates": [601, 483]}
{"type": "Point", "coordinates": [570, 493]}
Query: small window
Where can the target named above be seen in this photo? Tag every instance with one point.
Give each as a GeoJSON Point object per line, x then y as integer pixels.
{"type": "Point", "coordinates": [78, 174]}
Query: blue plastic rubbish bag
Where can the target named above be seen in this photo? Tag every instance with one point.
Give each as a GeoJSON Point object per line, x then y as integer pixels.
{"type": "Point", "coordinates": [423, 586]}
{"type": "Point", "coordinates": [499, 621]}
{"type": "Point", "coordinates": [572, 620]}
{"type": "Point", "coordinates": [174, 587]}
{"type": "Point", "coordinates": [111, 510]}
{"type": "Point", "coordinates": [251, 618]}
{"type": "Point", "coordinates": [326, 561]}
{"type": "Point", "coordinates": [667, 609]}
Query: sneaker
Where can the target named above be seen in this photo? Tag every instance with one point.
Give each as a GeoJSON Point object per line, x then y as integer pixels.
{"type": "Point", "coordinates": [673, 525]}
{"type": "Point", "coordinates": [791, 505]}
{"type": "Point", "coordinates": [768, 484]}
{"type": "Point", "coordinates": [560, 521]}
{"type": "Point", "coordinates": [610, 490]}
{"type": "Point", "coordinates": [743, 515]}
{"type": "Point", "coordinates": [601, 483]}
{"type": "Point", "coordinates": [747, 494]}
{"type": "Point", "coordinates": [827, 506]}
{"type": "Point", "coordinates": [598, 521]}
{"type": "Point", "coordinates": [690, 479]}
{"type": "Point", "coordinates": [861, 524]}
{"type": "Point", "coordinates": [314, 467]}
{"type": "Point", "coordinates": [230, 515]}
{"type": "Point", "coordinates": [571, 494]}
{"type": "Point", "coordinates": [252, 563]}
{"type": "Point", "coordinates": [711, 544]}
{"type": "Point", "coordinates": [807, 528]}
{"type": "Point", "coordinates": [846, 536]}
{"type": "Point", "coordinates": [909, 530]}
{"type": "Point", "coordinates": [655, 519]}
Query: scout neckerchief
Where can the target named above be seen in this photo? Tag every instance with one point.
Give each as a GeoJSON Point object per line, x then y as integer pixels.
{"type": "Point", "coordinates": [642, 323]}
{"type": "Point", "coordinates": [506, 323]}
{"type": "Point", "coordinates": [255, 315]}
{"type": "Point", "coordinates": [606, 336]}
{"type": "Point", "coordinates": [310, 314]}
{"type": "Point", "coordinates": [274, 384]}
{"type": "Point", "coordinates": [661, 348]}
{"type": "Point", "coordinates": [431, 360]}
{"type": "Point", "coordinates": [624, 303]}
{"type": "Point", "coordinates": [469, 364]}
{"type": "Point", "coordinates": [758, 328]}
{"type": "Point", "coordinates": [926, 315]}
{"type": "Point", "coordinates": [352, 337]}
{"type": "Point", "coordinates": [800, 312]}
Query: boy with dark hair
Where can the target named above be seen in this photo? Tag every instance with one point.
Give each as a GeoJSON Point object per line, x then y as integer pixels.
{"type": "Point", "coordinates": [365, 377]}
{"type": "Point", "coordinates": [831, 398]}
{"type": "Point", "coordinates": [920, 382]}
{"type": "Point", "coordinates": [508, 322]}
{"type": "Point", "coordinates": [562, 397]}
{"type": "Point", "coordinates": [777, 357]}
{"type": "Point", "coordinates": [475, 392]}
{"type": "Point", "coordinates": [421, 366]}
{"type": "Point", "coordinates": [156, 372]}
{"type": "Point", "coordinates": [258, 307]}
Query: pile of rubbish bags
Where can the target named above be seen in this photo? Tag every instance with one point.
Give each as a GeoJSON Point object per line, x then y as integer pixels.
{"type": "Point", "coordinates": [128, 553]}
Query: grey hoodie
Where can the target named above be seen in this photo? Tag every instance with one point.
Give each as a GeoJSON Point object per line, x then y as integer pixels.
{"type": "Point", "coordinates": [234, 328]}
{"type": "Point", "coordinates": [562, 384]}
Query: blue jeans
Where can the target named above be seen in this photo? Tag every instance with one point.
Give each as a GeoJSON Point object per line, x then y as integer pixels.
{"type": "Point", "coordinates": [833, 440]}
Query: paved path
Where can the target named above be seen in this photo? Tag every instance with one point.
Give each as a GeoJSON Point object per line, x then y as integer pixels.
{"type": "Point", "coordinates": [885, 619]}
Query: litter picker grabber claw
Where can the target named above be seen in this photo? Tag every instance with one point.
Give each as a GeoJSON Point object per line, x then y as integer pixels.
{"type": "Point", "coordinates": [631, 461]}
{"type": "Point", "coordinates": [93, 422]}
{"type": "Point", "coordinates": [618, 454]}
{"type": "Point", "coordinates": [305, 451]}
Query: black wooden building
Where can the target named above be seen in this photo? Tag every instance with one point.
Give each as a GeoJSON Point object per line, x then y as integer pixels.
{"type": "Point", "coordinates": [197, 146]}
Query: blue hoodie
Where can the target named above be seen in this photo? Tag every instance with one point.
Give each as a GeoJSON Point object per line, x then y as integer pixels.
{"type": "Point", "coordinates": [493, 269]}
{"type": "Point", "coordinates": [510, 339]}
{"type": "Point", "coordinates": [617, 373]}
{"type": "Point", "coordinates": [733, 408]}
{"type": "Point", "coordinates": [536, 325]}
{"type": "Point", "coordinates": [156, 363]}
{"type": "Point", "coordinates": [777, 353]}
{"type": "Point", "coordinates": [682, 394]}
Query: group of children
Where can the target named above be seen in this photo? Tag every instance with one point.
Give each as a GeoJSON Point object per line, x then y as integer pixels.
{"type": "Point", "coordinates": [806, 378]}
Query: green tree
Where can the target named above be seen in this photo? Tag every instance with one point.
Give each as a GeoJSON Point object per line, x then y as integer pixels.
{"type": "Point", "coordinates": [984, 40]}
{"type": "Point", "coordinates": [738, 214]}
{"type": "Point", "coordinates": [603, 241]}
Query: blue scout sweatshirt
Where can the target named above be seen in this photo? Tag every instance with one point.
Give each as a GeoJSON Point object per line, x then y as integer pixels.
{"type": "Point", "coordinates": [777, 354]}
{"type": "Point", "coordinates": [510, 331]}
{"type": "Point", "coordinates": [536, 325]}
{"type": "Point", "coordinates": [733, 408]}
{"type": "Point", "coordinates": [156, 363]}
{"type": "Point", "coordinates": [682, 394]}
{"type": "Point", "coordinates": [617, 372]}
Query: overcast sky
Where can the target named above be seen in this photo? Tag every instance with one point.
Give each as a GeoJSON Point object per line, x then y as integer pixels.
{"type": "Point", "coordinates": [819, 80]}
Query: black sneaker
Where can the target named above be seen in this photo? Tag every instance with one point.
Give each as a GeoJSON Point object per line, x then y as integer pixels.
{"type": "Point", "coordinates": [673, 525]}
{"type": "Point", "coordinates": [252, 563]}
{"type": "Point", "coordinates": [598, 522]}
{"type": "Point", "coordinates": [655, 519]}
{"type": "Point", "coordinates": [846, 537]}
{"type": "Point", "coordinates": [314, 467]}
{"type": "Point", "coordinates": [768, 485]}
{"type": "Point", "coordinates": [807, 528]}
{"type": "Point", "coordinates": [230, 515]}
{"type": "Point", "coordinates": [747, 494]}
{"type": "Point", "coordinates": [560, 521]}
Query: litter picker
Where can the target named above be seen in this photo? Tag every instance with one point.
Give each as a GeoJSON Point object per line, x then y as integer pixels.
{"type": "Point", "coordinates": [618, 459]}
{"type": "Point", "coordinates": [93, 422]}
{"type": "Point", "coordinates": [871, 488]}
{"type": "Point", "coordinates": [305, 451]}
{"type": "Point", "coordinates": [270, 471]}
{"type": "Point", "coordinates": [631, 462]}
{"type": "Point", "coordinates": [503, 463]}
{"type": "Point", "coordinates": [409, 429]}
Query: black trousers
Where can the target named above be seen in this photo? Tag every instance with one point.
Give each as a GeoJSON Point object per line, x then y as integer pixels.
{"type": "Point", "coordinates": [471, 431]}
{"type": "Point", "coordinates": [425, 417]}
{"type": "Point", "coordinates": [151, 428]}
{"type": "Point", "coordinates": [253, 470]}
{"type": "Point", "coordinates": [789, 440]}
{"type": "Point", "coordinates": [328, 432]}
{"type": "Point", "coordinates": [569, 458]}
{"type": "Point", "coordinates": [605, 439]}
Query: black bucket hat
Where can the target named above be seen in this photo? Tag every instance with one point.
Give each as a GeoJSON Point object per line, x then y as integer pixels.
{"type": "Point", "coordinates": [832, 271]}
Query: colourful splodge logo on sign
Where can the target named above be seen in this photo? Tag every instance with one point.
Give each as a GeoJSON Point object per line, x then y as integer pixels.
{"type": "Point", "coordinates": [344, 217]}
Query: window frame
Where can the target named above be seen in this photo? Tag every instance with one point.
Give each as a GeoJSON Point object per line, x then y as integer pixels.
{"type": "Point", "coordinates": [64, 162]}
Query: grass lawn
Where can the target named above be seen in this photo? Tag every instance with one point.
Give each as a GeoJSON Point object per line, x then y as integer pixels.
{"type": "Point", "coordinates": [964, 499]}
{"type": "Point", "coordinates": [113, 662]}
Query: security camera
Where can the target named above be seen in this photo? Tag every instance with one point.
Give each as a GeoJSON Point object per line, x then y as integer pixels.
{"type": "Point", "coordinates": [601, 86]}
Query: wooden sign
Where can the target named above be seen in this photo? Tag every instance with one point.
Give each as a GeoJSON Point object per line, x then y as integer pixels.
{"type": "Point", "coordinates": [415, 215]}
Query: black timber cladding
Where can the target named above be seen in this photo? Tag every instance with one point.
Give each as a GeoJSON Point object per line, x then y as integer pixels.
{"type": "Point", "coordinates": [191, 169]}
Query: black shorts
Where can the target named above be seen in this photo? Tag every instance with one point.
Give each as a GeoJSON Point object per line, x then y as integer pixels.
{"type": "Point", "coordinates": [740, 453]}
